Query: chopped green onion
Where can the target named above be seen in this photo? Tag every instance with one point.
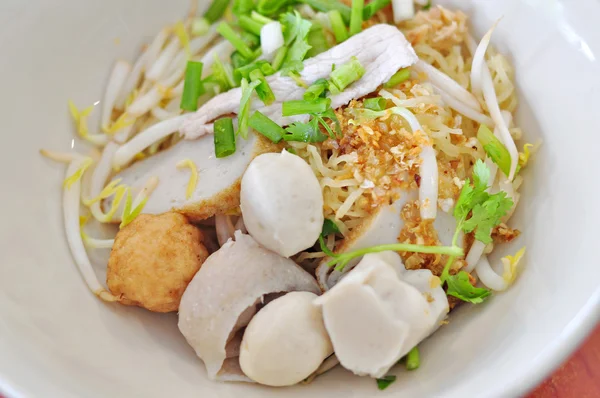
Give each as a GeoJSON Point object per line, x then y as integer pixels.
{"type": "Point", "coordinates": [222, 75]}
{"type": "Point", "coordinates": [298, 79]}
{"type": "Point", "coordinates": [399, 77]}
{"type": "Point", "coordinates": [260, 18]}
{"type": "Point", "coordinates": [192, 86]}
{"type": "Point", "coordinates": [317, 40]}
{"type": "Point", "coordinates": [266, 127]}
{"type": "Point", "coordinates": [301, 107]}
{"type": "Point", "coordinates": [356, 17]}
{"type": "Point", "coordinates": [216, 10]}
{"type": "Point", "coordinates": [494, 148]}
{"type": "Point", "coordinates": [427, 6]}
{"type": "Point", "coordinates": [279, 57]}
{"type": "Point", "coordinates": [243, 72]}
{"type": "Point", "coordinates": [412, 359]}
{"type": "Point", "coordinates": [385, 381]}
{"type": "Point", "coordinates": [238, 61]}
{"type": "Point", "coordinates": [329, 5]}
{"type": "Point", "coordinates": [338, 26]}
{"type": "Point", "coordinates": [250, 25]}
{"type": "Point", "coordinates": [263, 90]}
{"type": "Point", "coordinates": [292, 151]}
{"type": "Point", "coordinates": [375, 104]}
{"type": "Point", "coordinates": [200, 26]}
{"type": "Point", "coordinates": [244, 112]}
{"type": "Point", "coordinates": [250, 39]}
{"type": "Point", "coordinates": [241, 7]}
{"type": "Point", "coordinates": [372, 8]}
{"type": "Point", "coordinates": [347, 74]}
{"type": "Point", "coordinates": [228, 33]}
{"type": "Point", "coordinates": [316, 90]}
{"type": "Point", "coordinates": [270, 7]}
{"type": "Point", "coordinates": [224, 137]}
{"type": "Point", "coordinates": [329, 227]}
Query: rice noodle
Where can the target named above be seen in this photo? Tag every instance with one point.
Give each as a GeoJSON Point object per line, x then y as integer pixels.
{"type": "Point", "coordinates": [114, 87]}
{"type": "Point", "coordinates": [143, 140]}
{"type": "Point", "coordinates": [71, 219]}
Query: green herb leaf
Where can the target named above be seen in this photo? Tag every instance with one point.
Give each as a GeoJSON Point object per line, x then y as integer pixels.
{"type": "Point", "coordinates": [487, 215]}
{"type": "Point", "coordinates": [329, 227]}
{"type": "Point", "coordinates": [494, 148]}
{"type": "Point", "coordinates": [295, 31]}
{"type": "Point", "coordinates": [460, 287]}
{"type": "Point", "coordinates": [329, 114]}
{"type": "Point", "coordinates": [472, 195]}
{"type": "Point", "coordinates": [304, 132]}
{"type": "Point", "coordinates": [317, 40]}
{"type": "Point", "coordinates": [385, 381]}
{"type": "Point", "coordinates": [293, 26]}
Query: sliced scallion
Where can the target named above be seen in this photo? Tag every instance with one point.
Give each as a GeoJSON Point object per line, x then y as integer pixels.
{"type": "Point", "coordinates": [270, 7]}
{"type": "Point", "coordinates": [399, 77]}
{"type": "Point", "coordinates": [200, 26]}
{"type": "Point", "coordinates": [244, 112]}
{"type": "Point", "coordinates": [224, 137]}
{"type": "Point", "coordinates": [250, 25]}
{"type": "Point", "coordinates": [279, 57]}
{"type": "Point", "coordinates": [241, 7]}
{"type": "Point", "coordinates": [266, 127]}
{"type": "Point", "coordinates": [260, 18]}
{"type": "Point", "coordinates": [316, 90]}
{"type": "Point", "coordinates": [347, 74]}
{"type": "Point", "coordinates": [238, 43]}
{"type": "Point", "coordinates": [301, 107]}
{"type": "Point", "coordinates": [238, 61]}
{"type": "Point", "coordinates": [412, 359]}
{"type": "Point", "coordinates": [216, 10]}
{"type": "Point", "coordinates": [243, 72]}
{"type": "Point", "coordinates": [371, 9]}
{"type": "Point", "coordinates": [338, 26]}
{"type": "Point", "coordinates": [328, 5]}
{"type": "Point", "coordinates": [375, 104]}
{"type": "Point", "coordinates": [192, 86]}
{"type": "Point", "coordinates": [356, 17]}
{"type": "Point", "coordinates": [263, 90]}
{"type": "Point", "coordinates": [494, 148]}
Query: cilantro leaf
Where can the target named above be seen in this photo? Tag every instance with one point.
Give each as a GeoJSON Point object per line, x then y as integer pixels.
{"type": "Point", "coordinates": [460, 287]}
{"type": "Point", "coordinates": [385, 381]}
{"type": "Point", "coordinates": [329, 227]}
{"type": "Point", "coordinates": [294, 26]}
{"type": "Point", "coordinates": [304, 132]}
{"type": "Point", "coordinates": [329, 114]}
{"type": "Point", "coordinates": [472, 195]}
{"type": "Point", "coordinates": [487, 215]}
{"type": "Point", "coordinates": [295, 32]}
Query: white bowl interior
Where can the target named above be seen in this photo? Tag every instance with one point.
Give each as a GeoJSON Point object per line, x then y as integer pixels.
{"type": "Point", "coordinates": [56, 339]}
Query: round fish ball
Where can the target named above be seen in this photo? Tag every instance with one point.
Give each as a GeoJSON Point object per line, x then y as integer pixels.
{"type": "Point", "coordinates": [282, 203]}
{"type": "Point", "coordinates": [285, 342]}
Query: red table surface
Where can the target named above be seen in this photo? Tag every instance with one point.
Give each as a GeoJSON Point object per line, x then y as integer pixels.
{"type": "Point", "coordinates": [579, 377]}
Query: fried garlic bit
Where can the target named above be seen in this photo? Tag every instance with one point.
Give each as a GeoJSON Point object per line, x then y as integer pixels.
{"type": "Point", "coordinates": [153, 260]}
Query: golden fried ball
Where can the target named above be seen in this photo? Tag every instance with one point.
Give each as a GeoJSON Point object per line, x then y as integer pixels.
{"type": "Point", "coordinates": [153, 259]}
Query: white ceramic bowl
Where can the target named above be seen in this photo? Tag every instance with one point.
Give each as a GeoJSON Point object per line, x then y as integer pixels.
{"type": "Point", "coordinates": [58, 340]}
